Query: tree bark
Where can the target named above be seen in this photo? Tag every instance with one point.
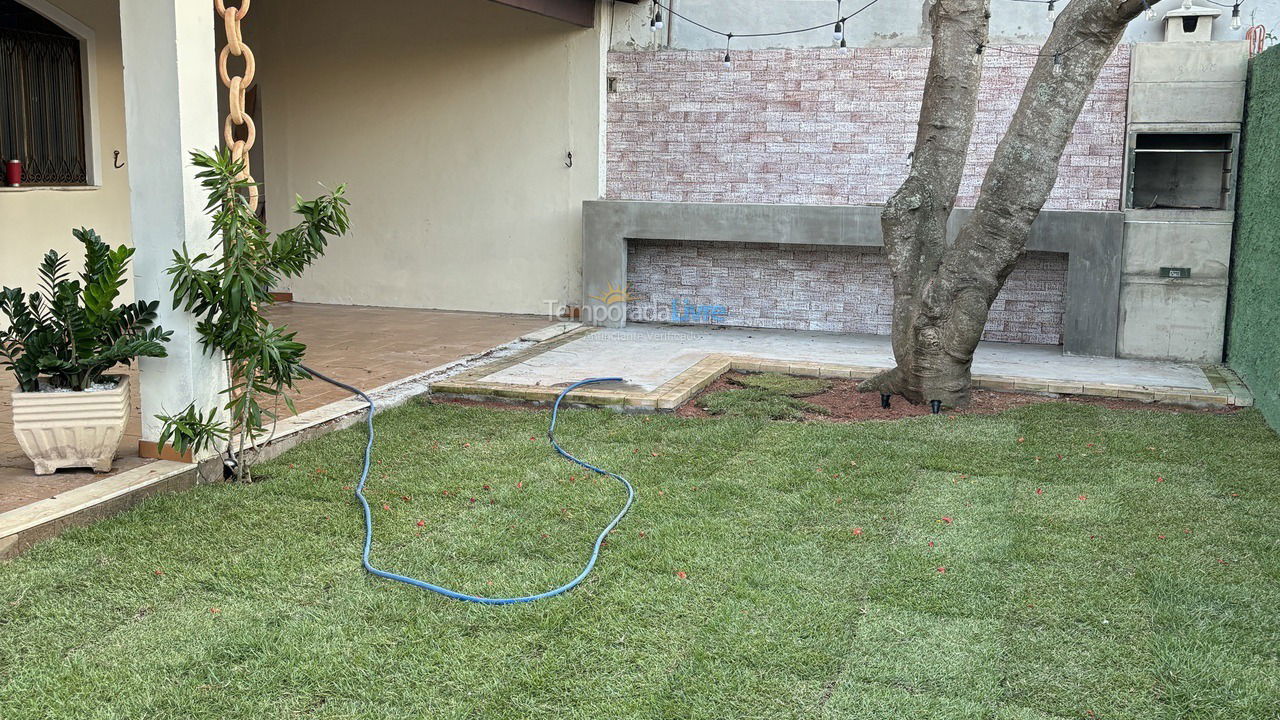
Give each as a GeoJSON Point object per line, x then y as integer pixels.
{"type": "Point", "coordinates": [914, 221]}
{"type": "Point", "coordinates": [942, 295]}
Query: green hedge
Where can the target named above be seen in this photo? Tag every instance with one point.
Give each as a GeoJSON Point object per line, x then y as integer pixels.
{"type": "Point", "coordinates": [1253, 343]}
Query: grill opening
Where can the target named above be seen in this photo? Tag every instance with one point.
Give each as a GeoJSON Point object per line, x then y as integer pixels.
{"type": "Point", "coordinates": [1183, 171]}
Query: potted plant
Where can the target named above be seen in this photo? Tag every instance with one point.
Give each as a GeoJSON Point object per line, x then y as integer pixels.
{"type": "Point", "coordinates": [61, 344]}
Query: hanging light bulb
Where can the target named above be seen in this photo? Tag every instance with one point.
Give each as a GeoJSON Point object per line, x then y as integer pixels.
{"type": "Point", "coordinates": [1235, 16]}
{"type": "Point", "coordinates": [1057, 64]}
{"type": "Point", "coordinates": [728, 61]}
{"type": "Point", "coordinates": [977, 55]}
{"type": "Point", "coordinates": [844, 46]}
{"type": "Point", "coordinates": [655, 24]}
{"type": "Point", "coordinates": [839, 31]}
{"type": "Point", "coordinates": [1052, 13]}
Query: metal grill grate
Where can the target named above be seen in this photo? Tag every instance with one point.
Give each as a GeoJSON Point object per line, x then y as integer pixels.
{"type": "Point", "coordinates": [41, 107]}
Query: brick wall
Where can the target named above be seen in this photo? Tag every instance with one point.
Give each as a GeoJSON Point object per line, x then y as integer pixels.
{"type": "Point", "coordinates": [813, 287]}
{"type": "Point", "coordinates": [817, 127]}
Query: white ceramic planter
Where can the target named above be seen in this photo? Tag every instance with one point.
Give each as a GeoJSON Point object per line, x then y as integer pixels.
{"type": "Point", "coordinates": [71, 429]}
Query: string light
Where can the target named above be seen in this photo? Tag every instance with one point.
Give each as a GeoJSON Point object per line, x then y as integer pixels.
{"type": "Point", "coordinates": [838, 27]}
{"type": "Point", "coordinates": [1236, 23]}
{"type": "Point", "coordinates": [1059, 56]}
{"type": "Point", "coordinates": [841, 21]}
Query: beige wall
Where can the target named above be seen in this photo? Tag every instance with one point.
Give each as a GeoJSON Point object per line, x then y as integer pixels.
{"type": "Point", "coordinates": [449, 121]}
{"type": "Point", "coordinates": [34, 220]}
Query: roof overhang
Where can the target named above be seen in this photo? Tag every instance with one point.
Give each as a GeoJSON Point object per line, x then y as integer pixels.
{"type": "Point", "coordinates": [577, 12]}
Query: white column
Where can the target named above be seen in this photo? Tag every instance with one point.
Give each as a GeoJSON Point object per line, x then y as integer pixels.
{"type": "Point", "coordinates": [170, 109]}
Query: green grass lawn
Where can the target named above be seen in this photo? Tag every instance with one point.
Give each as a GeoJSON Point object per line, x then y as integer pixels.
{"type": "Point", "coordinates": [1098, 563]}
{"type": "Point", "coordinates": [765, 396]}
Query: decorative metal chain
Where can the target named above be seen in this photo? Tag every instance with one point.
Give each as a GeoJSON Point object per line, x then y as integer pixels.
{"type": "Point", "coordinates": [237, 87]}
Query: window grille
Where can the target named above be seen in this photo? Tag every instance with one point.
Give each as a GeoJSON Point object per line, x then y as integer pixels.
{"type": "Point", "coordinates": [42, 106]}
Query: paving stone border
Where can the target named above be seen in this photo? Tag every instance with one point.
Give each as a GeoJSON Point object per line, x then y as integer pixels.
{"type": "Point", "coordinates": [1227, 390]}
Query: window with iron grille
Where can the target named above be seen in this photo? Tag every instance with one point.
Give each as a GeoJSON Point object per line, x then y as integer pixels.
{"type": "Point", "coordinates": [41, 98]}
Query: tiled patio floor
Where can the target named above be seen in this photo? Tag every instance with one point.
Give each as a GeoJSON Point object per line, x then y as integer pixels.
{"type": "Point", "coordinates": [371, 346]}
{"type": "Point", "coordinates": [363, 346]}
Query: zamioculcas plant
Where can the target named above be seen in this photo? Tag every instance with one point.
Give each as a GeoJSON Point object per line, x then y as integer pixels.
{"type": "Point", "coordinates": [228, 290]}
{"type": "Point", "coordinates": [61, 343]}
{"type": "Point", "coordinates": [68, 334]}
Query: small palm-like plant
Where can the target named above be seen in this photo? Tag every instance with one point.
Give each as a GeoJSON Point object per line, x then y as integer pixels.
{"type": "Point", "coordinates": [70, 333]}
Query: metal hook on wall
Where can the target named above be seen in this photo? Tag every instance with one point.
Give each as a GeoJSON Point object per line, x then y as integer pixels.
{"type": "Point", "coordinates": [569, 164]}
{"type": "Point", "coordinates": [115, 159]}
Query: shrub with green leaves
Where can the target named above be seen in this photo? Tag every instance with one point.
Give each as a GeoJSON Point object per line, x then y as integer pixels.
{"type": "Point", "coordinates": [70, 333]}
{"type": "Point", "coordinates": [228, 290]}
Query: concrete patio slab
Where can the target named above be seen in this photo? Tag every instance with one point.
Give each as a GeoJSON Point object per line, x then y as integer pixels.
{"type": "Point", "coordinates": [664, 364]}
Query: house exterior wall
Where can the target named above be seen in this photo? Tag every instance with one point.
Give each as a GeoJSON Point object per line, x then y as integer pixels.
{"type": "Point", "coordinates": [450, 122]}
{"type": "Point", "coordinates": [795, 121]}
{"type": "Point", "coordinates": [34, 220]}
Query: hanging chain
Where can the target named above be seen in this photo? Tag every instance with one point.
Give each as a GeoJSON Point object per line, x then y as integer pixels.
{"type": "Point", "coordinates": [237, 87]}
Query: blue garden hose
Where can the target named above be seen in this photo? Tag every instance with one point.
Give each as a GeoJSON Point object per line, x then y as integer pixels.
{"type": "Point", "coordinates": [551, 430]}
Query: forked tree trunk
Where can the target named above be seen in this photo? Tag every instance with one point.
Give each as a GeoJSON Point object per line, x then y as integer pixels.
{"type": "Point", "coordinates": [942, 294]}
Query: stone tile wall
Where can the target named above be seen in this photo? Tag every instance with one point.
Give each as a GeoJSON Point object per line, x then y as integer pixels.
{"type": "Point", "coordinates": [818, 127]}
{"type": "Point", "coordinates": [814, 287]}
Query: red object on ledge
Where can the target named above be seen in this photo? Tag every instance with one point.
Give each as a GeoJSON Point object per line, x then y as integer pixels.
{"type": "Point", "coordinates": [13, 173]}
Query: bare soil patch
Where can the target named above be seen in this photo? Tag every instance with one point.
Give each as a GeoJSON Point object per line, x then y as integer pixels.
{"type": "Point", "coordinates": [843, 403]}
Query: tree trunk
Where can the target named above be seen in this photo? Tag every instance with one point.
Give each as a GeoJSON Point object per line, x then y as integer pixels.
{"type": "Point", "coordinates": [942, 294]}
